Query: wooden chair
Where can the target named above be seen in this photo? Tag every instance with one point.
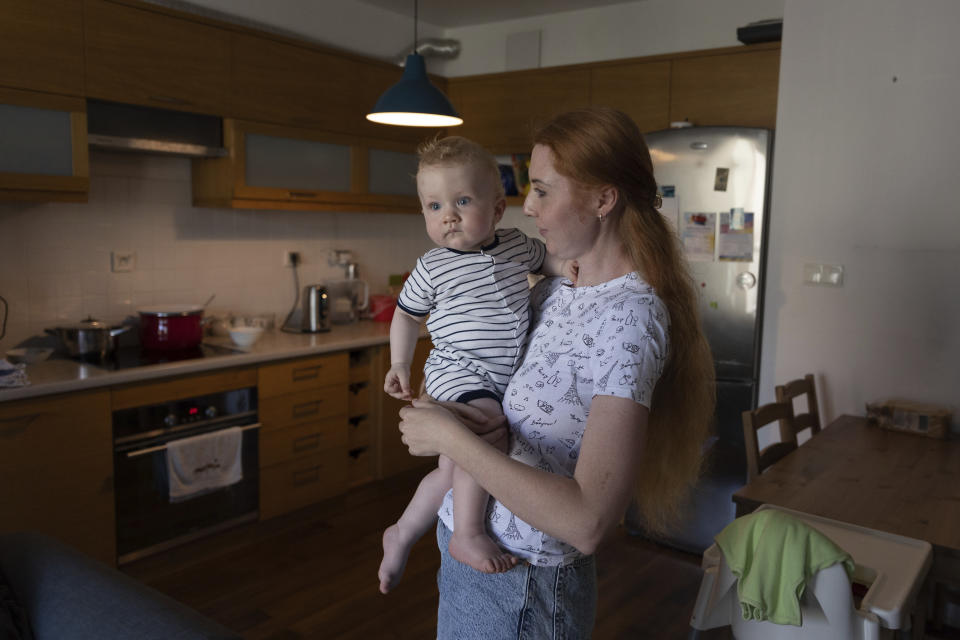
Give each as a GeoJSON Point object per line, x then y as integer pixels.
{"type": "Point", "coordinates": [810, 419]}
{"type": "Point", "coordinates": [758, 460]}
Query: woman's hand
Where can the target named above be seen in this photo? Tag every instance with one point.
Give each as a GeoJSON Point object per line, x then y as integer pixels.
{"type": "Point", "coordinates": [425, 427]}
{"type": "Point", "coordinates": [493, 429]}
{"type": "Point", "coordinates": [428, 426]}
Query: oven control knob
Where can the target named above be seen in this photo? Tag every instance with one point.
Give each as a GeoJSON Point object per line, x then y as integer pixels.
{"type": "Point", "coordinates": [211, 412]}
{"type": "Point", "coordinates": [170, 420]}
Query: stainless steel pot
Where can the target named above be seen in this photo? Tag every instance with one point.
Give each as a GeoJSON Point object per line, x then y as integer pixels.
{"type": "Point", "coordinates": [89, 338]}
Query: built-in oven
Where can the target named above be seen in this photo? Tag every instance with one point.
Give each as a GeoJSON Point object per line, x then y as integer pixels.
{"type": "Point", "coordinates": [148, 520]}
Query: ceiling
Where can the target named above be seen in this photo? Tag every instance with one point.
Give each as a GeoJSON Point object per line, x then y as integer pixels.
{"type": "Point", "coordinates": [444, 13]}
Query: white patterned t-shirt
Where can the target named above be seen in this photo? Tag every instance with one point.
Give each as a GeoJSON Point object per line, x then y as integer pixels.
{"type": "Point", "coordinates": [610, 340]}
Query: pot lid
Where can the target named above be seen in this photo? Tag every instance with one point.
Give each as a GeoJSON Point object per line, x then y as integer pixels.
{"type": "Point", "coordinates": [169, 310]}
{"type": "Point", "coordinates": [87, 323]}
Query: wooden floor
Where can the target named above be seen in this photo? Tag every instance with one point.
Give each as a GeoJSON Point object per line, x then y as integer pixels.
{"type": "Point", "coordinates": [313, 574]}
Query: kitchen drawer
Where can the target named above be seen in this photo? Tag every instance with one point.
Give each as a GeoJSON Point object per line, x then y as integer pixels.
{"type": "Point", "coordinates": [302, 482]}
{"type": "Point", "coordinates": [299, 375]}
{"type": "Point", "coordinates": [54, 430]}
{"type": "Point", "coordinates": [358, 399]}
{"type": "Point", "coordinates": [288, 443]}
{"type": "Point", "coordinates": [358, 431]}
{"type": "Point", "coordinates": [360, 466]}
{"type": "Point", "coordinates": [303, 406]}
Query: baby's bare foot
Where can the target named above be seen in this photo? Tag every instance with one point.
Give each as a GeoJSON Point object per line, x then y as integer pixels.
{"type": "Point", "coordinates": [480, 552]}
{"type": "Point", "coordinates": [395, 553]}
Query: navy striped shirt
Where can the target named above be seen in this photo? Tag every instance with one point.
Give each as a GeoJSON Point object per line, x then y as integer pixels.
{"type": "Point", "coordinates": [478, 306]}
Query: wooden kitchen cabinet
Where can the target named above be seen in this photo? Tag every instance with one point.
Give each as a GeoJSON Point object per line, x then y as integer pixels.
{"type": "Point", "coordinates": [393, 455]}
{"type": "Point", "coordinates": [279, 167]}
{"type": "Point", "coordinates": [300, 84]}
{"type": "Point", "coordinates": [145, 55]}
{"type": "Point", "coordinates": [304, 432]}
{"type": "Point", "coordinates": [56, 470]}
{"type": "Point", "coordinates": [501, 111]}
{"type": "Point", "coordinates": [639, 89]}
{"type": "Point", "coordinates": [43, 147]}
{"type": "Point", "coordinates": [362, 401]}
{"type": "Point", "coordinates": [41, 45]}
{"type": "Point", "coordinates": [736, 86]}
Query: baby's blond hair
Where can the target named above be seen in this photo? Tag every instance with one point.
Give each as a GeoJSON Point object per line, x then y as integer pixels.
{"type": "Point", "coordinates": [454, 151]}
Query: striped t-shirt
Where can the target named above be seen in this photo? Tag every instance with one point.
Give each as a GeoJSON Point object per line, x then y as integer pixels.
{"type": "Point", "coordinates": [478, 306]}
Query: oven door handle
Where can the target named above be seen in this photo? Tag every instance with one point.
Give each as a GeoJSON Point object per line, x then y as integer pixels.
{"type": "Point", "coordinates": [140, 452]}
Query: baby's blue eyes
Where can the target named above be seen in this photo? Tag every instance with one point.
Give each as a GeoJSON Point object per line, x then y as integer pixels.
{"type": "Point", "coordinates": [461, 202]}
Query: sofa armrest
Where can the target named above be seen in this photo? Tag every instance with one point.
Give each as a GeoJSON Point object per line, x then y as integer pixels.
{"type": "Point", "coordinates": [69, 595]}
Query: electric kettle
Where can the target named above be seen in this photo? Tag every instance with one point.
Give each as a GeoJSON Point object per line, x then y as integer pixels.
{"type": "Point", "coordinates": [316, 309]}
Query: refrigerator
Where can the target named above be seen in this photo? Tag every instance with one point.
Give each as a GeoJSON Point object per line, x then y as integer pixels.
{"type": "Point", "coordinates": [715, 186]}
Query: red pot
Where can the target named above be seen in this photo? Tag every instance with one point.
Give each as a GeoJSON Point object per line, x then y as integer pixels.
{"type": "Point", "coordinates": [171, 328]}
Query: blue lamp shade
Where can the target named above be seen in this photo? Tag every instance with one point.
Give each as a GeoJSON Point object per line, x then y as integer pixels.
{"type": "Point", "coordinates": [414, 101]}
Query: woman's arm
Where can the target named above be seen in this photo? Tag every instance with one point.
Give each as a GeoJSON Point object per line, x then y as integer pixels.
{"type": "Point", "coordinates": [579, 510]}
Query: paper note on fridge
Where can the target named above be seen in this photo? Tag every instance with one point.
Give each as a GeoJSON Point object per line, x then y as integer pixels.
{"type": "Point", "coordinates": [699, 234]}
{"type": "Point", "coordinates": [735, 243]}
{"type": "Point", "coordinates": [670, 209]}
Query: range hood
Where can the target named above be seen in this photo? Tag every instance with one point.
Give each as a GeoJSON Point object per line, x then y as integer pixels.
{"type": "Point", "coordinates": [125, 127]}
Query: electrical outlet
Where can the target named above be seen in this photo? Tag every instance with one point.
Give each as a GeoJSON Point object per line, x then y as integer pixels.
{"type": "Point", "coordinates": [292, 258]}
{"type": "Point", "coordinates": [830, 275]}
{"type": "Point", "coordinates": [123, 261]}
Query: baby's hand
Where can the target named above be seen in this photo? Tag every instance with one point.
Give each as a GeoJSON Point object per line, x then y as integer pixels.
{"type": "Point", "coordinates": [397, 382]}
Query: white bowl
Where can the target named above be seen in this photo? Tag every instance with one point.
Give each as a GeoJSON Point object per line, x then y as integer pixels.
{"type": "Point", "coordinates": [245, 336]}
{"type": "Point", "coordinates": [28, 355]}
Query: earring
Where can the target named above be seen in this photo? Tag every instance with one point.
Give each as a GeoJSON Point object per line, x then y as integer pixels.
{"type": "Point", "coordinates": [600, 217]}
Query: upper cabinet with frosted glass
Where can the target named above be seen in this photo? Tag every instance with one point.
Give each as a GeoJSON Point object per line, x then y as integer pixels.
{"type": "Point", "coordinates": [274, 167]}
{"type": "Point", "coordinates": [43, 131]}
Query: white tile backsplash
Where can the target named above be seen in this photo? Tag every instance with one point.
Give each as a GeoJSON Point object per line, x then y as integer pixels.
{"type": "Point", "coordinates": [55, 257]}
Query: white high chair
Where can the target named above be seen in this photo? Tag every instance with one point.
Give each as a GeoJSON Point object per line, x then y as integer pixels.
{"type": "Point", "coordinates": [892, 569]}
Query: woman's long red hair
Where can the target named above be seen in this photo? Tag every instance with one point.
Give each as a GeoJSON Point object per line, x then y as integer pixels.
{"type": "Point", "coordinates": [603, 147]}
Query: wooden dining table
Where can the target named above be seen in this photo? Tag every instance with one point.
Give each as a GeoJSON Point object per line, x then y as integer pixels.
{"type": "Point", "coordinates": [862, 474]}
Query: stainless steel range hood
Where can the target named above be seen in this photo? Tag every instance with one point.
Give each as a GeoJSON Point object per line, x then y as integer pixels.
{"type": "Point", "coordinates": [124, 127]}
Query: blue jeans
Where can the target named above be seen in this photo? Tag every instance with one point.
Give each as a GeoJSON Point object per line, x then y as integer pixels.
{"type": "Point", "coordinates": [526, 603]}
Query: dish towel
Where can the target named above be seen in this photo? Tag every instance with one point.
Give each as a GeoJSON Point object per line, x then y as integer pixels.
{"type": "Point", "coordinates": [204, 463]}
{"type": "Point", "coordinates": [772, 554]}
{"type": "Point", "coordinates": [13, 375]}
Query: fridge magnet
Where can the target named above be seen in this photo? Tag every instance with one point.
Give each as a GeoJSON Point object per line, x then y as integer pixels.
{"type": "Point", "coordinates": [735, 243]}
{"type": "Point", "coordinates": [668, 191]}
{"type": "Point", "coordinates": [670, 209]}
{"type": "Point", "coordinates": [699, 236]}
{"type": "Point", "coordinates": [720, 180]}
{"type": "Point", "coordinates": [508, 180]}
{"type": "Point", "coordinates": [521, 170]}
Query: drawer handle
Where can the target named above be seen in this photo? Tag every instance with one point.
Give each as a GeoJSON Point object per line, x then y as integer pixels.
{"type": "Point", "coordinates": [356, 387]}
{"type": "Point", "coordinates": [305, 443]}
{"type": "Point", "coordinates": [302, 194]}
{"type": "Point", "coordinates": [306, 477]}
{"type": "Point", "coordinates": [170, 100]}
{"type": "Point", "coordinates": [306, 373]}
{"type": "Point", "coordinates": [356, 453]}
{"type": "Point", "coordinates": [356, 420]}
{"type": "Point", "coordinates": [19, 423]}
{"type": "Point", "coordinates": [306, 409]}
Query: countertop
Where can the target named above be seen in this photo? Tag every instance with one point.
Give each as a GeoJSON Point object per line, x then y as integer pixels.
{"type": "Point", "coordinates": [62, 375]}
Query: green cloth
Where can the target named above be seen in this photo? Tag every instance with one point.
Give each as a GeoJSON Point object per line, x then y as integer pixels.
{"type": "Point", "coordinates": [772, 554]}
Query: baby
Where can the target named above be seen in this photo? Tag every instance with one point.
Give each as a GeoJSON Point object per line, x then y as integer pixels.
{"type": "Point", "coordinates": [474, 287]}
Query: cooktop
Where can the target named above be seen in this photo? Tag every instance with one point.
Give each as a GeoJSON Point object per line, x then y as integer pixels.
{"type": "Point", "coordinates": [135, 356]}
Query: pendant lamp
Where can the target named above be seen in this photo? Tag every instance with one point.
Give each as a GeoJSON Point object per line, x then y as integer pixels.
{"type": "Point", "coordinates": [415, 101]}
